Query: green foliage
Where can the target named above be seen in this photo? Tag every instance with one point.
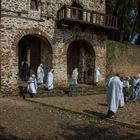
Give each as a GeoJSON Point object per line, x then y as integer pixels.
{"type": "Point", "coordinates": [122, 10]}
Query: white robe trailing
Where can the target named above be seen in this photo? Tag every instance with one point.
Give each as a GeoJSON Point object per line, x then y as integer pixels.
{"type": "Point", "coordinates": [137, 90]}
{"type": "Point", "coordinates": [97, 75]}
{"type": "Point", "coordinates": [75, 75]}
{"type": "Point", "coordinates": [40, 74]}
{"type": "Point", "coordinates": [121, 100]}
{"type": "Point", "coordinates": [32, 85]}
{"type": "Point", "coordinates": [114, 88]}
{"type": "Point", "coordinates": [49, 83]}
{"type": "Point", "coordinates": [134, 83]}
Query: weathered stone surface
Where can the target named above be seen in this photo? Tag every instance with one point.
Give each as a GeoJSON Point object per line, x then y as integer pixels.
{"type": "Point", "coordinates": [19, 20]}
{"type": "Point", "coordinates": [123, 59]}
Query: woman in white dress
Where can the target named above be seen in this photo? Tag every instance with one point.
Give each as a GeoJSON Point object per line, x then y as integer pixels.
{"type": "Point", "coordinates": [32, 85]}
{"type": "Point", "coordinates": [75, 76]}
{"type": "Point", "coordinates": [40, 74]}
{"type": "Point", "coordinates": [49, 82]}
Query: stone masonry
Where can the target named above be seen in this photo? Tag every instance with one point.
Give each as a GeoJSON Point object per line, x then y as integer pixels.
{"type": "Point", "coordinates": [18, 21]}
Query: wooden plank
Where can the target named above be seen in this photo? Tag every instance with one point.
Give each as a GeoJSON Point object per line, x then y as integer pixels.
{"type": "Point", "coordinates": [82, 16]}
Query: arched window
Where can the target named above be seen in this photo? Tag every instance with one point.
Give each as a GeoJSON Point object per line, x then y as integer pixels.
{"type": "Point", "coordinates": [34, 5]}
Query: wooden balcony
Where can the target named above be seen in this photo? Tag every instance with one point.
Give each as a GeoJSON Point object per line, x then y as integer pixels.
{"type": "Point", "coordinates": [71, 16]}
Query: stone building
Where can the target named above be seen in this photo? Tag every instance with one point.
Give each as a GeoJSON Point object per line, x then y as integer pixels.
{"type": "Point", "coordinates": [61, 34]}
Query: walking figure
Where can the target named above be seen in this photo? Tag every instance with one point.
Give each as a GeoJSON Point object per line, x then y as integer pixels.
{"type": "Point", "coordinates": [72, 88]}
{"type": "Point", "coordinates": [75, 76]}
{"type": "Point", "coordinates": [97, 76]}
{"type": "Point", "coordinates": [25, 71]}
{"type": "Point", "coordinates": [40, 74]}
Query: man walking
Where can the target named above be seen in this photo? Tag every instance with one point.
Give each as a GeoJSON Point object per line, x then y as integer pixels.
{"type": "Point", "coordinates": [114, 88]}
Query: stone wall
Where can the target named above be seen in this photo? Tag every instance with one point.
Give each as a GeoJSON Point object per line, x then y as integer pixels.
{"type": "Point", "coordinates": [18, 21]}
{"type": "Point", "coordinates": [52, 5]}
{"type": "Point", "coordinates": [123, 59]}
{"type": "Point", "coordinates": [63, 44]}
{"type": "Point", "coordinates": [15, 5]}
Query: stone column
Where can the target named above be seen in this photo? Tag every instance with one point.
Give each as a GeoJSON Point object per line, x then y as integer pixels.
{"type": "Point", "coordinates": [28, 56]}
{"type": "Point", "coordinates": [81, 64]}
{"type": "Point", "coordinates": [60, 65]}
{"type": "Point", "coordinates": [101, 59]}
{"type": "Point", "coordinates": [43, 8]}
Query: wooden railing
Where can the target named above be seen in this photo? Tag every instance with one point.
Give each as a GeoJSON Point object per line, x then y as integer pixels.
{"type": "Point", "coordinates": [86, 16]}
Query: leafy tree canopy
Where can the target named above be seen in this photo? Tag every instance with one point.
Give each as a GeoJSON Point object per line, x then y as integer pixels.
{"type": "Point", "coordinates": [129, 14]}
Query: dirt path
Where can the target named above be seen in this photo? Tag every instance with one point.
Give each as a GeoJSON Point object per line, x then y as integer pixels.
{"type": "Point", "coordinates": [95, 105]}
{"type": "Point", "coordinates": [20, 119]}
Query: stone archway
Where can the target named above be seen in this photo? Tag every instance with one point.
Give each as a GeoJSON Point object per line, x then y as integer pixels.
{"type": "Point", "coordinates": [34, 49]}
{"type": "Point", "coordinates": [81, 54]}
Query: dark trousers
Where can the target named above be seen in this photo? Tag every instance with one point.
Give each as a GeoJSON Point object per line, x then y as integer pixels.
{"type": "Point", "coordinates": [125, 91]}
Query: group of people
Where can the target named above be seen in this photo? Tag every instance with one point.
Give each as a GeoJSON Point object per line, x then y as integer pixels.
{"type": "Point", "coordinates": [33, 81]}
{"type": "Point", "coordinates": [117, 92]}
{"type": "Point", "coordinates": [73, 82]}
{"type": "Point", "coordinates": [117, 87]}
{"type": "Point", "coordinates": [96, 76]}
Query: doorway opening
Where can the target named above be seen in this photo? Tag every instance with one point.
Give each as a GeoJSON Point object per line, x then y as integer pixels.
{"type": "Point", "coordinates": [81, 55]}
{"type": "Point", "coordinates": [34, 50]}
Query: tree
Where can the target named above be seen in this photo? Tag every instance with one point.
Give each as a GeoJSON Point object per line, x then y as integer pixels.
{"type": "Point", "coordinates": [138, 20]}
{"type": "Point", "coordinates": [127, 23]}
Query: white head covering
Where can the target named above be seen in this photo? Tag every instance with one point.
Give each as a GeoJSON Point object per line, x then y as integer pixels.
{"type": "Point", "coordinates": [138, 76]}
{"type": "Point", "coordinates": [52, 70]}
{"type": "Point", "coordinates": [33, 75]}
{"type": "Point", "coordinates": [127, 78]}
{"type": "Point", "coordinates": [41, 65]}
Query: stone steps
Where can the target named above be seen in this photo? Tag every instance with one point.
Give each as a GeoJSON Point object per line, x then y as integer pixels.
{"type": "Point", "coordinates": [80, 90]}
{"type": "Point", "coordinates": [63, 91]}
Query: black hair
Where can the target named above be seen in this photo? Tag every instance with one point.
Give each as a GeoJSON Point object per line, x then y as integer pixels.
{"type": "Point", "coordinates": [117, 74]}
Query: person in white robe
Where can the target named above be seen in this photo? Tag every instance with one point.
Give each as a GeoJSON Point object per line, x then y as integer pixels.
{"type": "Point", "coordinates": [97, 76]}
{"type": "Point", "coordinates": [49, 82]}
{"type": "Point", "coordinates": [134, 83]}
{"type": "Point", "coordinates": [137, 88]}
{"type": "Point", "coordinates": [32, 85]}
{"type": "Point", "coordinates": [75, 76]}
{"type": "Point", "coordinates": [40, 74]}
{"type": "Point", "coordinates": [108, 87]}
{"type": "Point", "coordinates": [114, 88]}
{"type": "Point", "coordinates": [121, 100]}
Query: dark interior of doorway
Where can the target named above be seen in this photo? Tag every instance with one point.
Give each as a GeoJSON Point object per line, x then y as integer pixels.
{"type": "Point", "coordinates": [29, 51]}
{"type": "Point", "coordinates": [81, 55]}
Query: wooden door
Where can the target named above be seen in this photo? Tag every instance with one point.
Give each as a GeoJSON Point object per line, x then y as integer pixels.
{"type": "Point", "coordinates": [72, 59]}
{"type": "Point", "coordinates": [34, 53]}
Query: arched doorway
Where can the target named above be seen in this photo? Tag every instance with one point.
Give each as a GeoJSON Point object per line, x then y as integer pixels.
{"type": "Point", "coordinates": [34, 50]}
{"type": "Point", "coordinates": [80, 54]}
